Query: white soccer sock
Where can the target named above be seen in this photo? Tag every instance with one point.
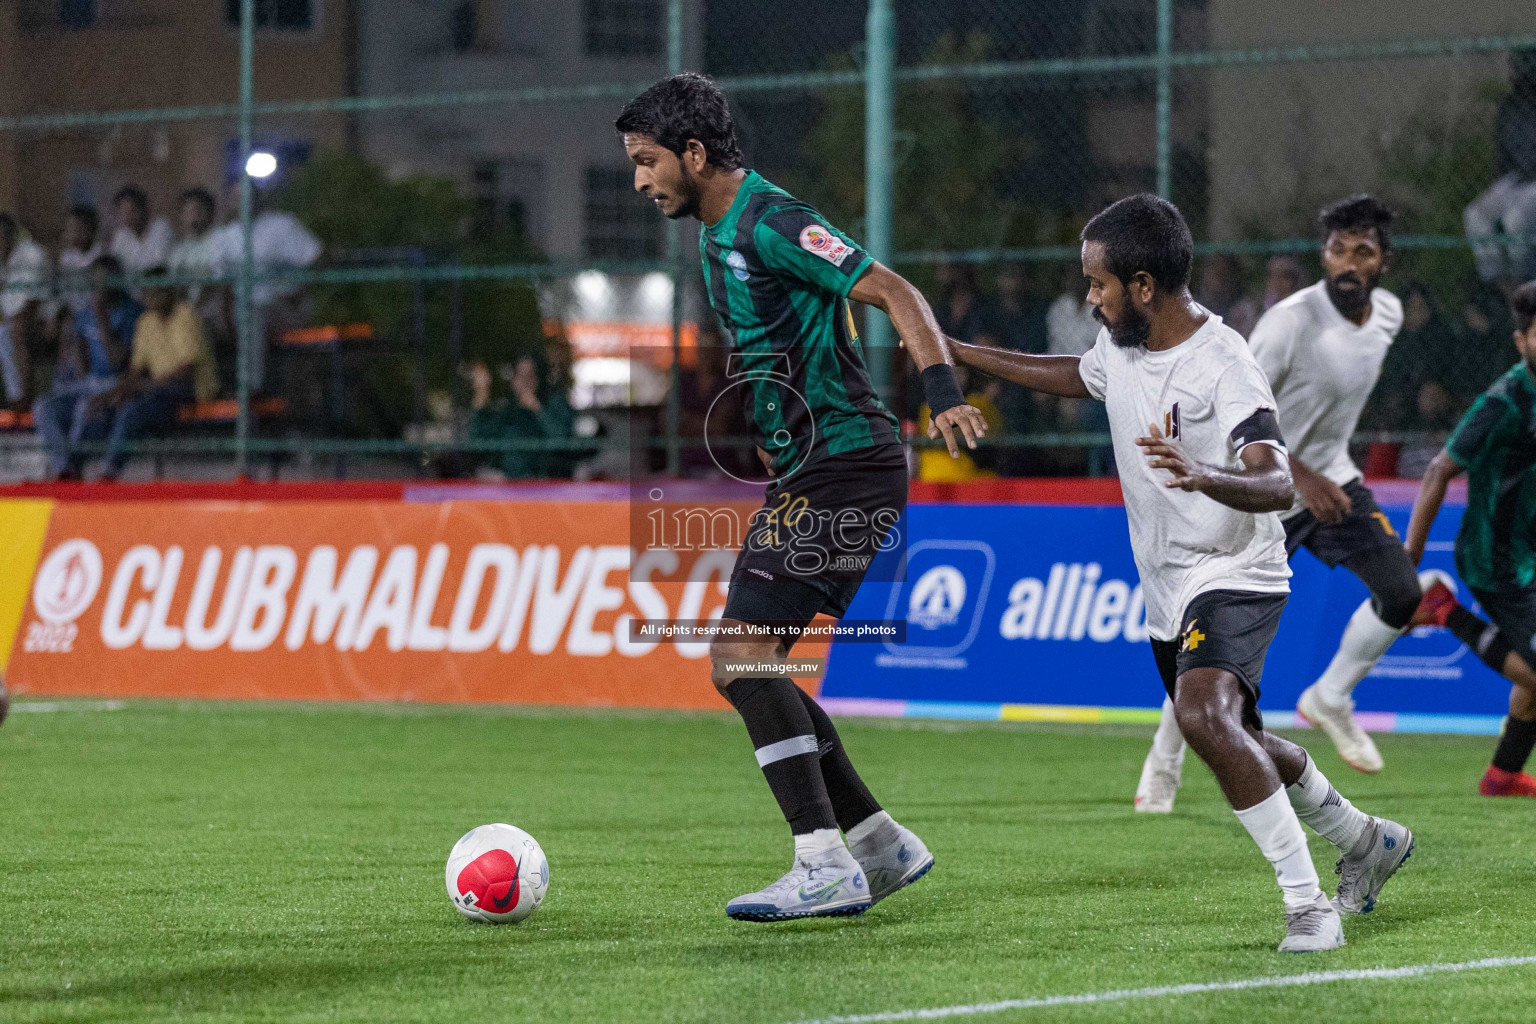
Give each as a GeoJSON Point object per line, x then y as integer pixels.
{"type": "Point", "coordinates": [1274, 826]}
{"type": "Point", "coordinates": [1168, 743]}
{"type": "Point", "coordinates": [1321, 806]}
{"type": "Point", "coordinates": [1365, 640]}
{"type": "Point", "coordinates": [864, 828]}
{"type": "Point", "coordinates": [815, 846]}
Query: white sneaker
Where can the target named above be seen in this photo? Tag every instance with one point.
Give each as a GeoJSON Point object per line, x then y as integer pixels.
{"type": "Point", "coordinates": [1160, 782]}
{"type": "Point", "coordinates": [833, 886]}
{"type": "Point", "coordinates": [1351, 741]}
{"type": "Point", "coordinates": [893, 857]}
{"type": "Point", "coordinates": [1313, 929]}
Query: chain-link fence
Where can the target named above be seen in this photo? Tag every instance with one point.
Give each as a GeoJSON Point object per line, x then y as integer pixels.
{"type": "Point", "coordinates": [435, 263]}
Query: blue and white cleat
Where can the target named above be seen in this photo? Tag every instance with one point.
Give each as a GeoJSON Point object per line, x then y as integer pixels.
{"type": "Point", "coordinates": [831, 887]}
{"type": "Point", "coordinates": [1383, 848]}
{"type": "Point", "coordinates": [892, 858]}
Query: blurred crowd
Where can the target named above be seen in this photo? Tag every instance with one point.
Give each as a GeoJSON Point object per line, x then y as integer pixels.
{"type": "Point", "coordinates": [1443, 358]}
{"type": "Point", "coordinates": [93, 360]}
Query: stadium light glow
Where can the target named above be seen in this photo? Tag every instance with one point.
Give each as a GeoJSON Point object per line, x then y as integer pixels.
{"type": "Point", "coordinates": [261, 164]}
{"type": "Point", "coordinates": [655, 295]}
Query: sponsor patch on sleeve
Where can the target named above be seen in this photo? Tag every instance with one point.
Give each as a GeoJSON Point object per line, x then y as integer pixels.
{"type": "Point", "coordinates": [821, 242]}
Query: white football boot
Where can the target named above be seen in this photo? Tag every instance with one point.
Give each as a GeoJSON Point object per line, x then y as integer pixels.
{"type": "Point", "coordinates": [892, 856]}
{"type": "Point", "coordinates": [1160, 782]}
{"type": "Point", "coordinates": [1382, 848]}
{"type": "Point", "coordinates": [1353, 744]}
{"type": "Point", "coordinates": [831, 886]}
{"type": "Point", "coordinates": [1313, 929]}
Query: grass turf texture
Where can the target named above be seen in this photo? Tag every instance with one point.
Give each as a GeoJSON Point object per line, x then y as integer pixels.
{"type": "Point", "coordinates": [244, 862]}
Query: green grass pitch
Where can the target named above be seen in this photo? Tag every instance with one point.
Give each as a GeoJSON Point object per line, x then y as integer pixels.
{"type": "Point", "coordinates": [251, 862]}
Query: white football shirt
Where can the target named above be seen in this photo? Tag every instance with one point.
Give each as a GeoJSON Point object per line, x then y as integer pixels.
{"type": "Point", "coordinates": [1200, 392]}
{"type": "Point", "coordinates": [1322, 368]}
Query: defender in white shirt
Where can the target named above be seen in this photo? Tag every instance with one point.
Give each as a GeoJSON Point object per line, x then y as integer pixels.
{"type": "Point", "coordinates": [1204, 472]}
{"type": "Point", "coordinates": [1322, 350]}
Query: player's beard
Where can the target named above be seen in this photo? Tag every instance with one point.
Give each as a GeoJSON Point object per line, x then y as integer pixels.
{"type": "Point", "coordinates": [688, 193]}
{"type": "Point", "coordinates": [1132, 331]}
{"type": "Point", "coordinates": [1351, 303]}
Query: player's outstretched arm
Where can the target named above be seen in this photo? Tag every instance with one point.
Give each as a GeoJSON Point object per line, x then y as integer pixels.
{"type": "Point", "coordinates": [1053, 375]}
{"type": "Point", "coordinates": [1442, 470]}
{"type": "Point", "coordinates": [1262, 485]}
{"type": "Point", "coordinates": [915, 324]}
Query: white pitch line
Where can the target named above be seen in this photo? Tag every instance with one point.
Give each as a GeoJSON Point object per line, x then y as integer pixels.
{"type": "Point", "coordinates": [68, 705]}
{"type": "Point", "coordinates": [1196, 988]}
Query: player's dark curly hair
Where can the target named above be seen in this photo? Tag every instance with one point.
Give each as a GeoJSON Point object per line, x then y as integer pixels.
{"type": "Point", "coordinates": [1144, 233]}
{"type": "Point", "coordinates": [1359, 213]}
{"type": "Point", "coordinates": [683, 107]}
{"type": "Point", "coordinates": [1523, 302]}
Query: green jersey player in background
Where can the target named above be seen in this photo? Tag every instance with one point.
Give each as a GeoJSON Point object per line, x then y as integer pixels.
{"type": "Point", "coordinates": [779, 276]}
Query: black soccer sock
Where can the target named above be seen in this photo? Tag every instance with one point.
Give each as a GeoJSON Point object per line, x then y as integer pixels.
{"type": "Point", "coordinates": [852, 801]}
{"type": "Point", "coordinates": [1515, 744]}
{"type": "Point", "coordinates": [1485, 640]}
{"type": "Point", "coordinates": [787, 750]}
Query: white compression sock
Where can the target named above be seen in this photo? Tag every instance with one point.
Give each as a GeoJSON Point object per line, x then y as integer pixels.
{"type": "Point", "coordinates": [868, 826]}
{"type": "Point", "coordinates": [1321, 806]}
{"type": "Point", "coordinates": [814, 846]}
{"type": "Point", "coordinates": [1365, 640]}
{"type": "Point", "coordinates": [1274, 826]}
{"type": "Point", "coordinates": [1168, 743]}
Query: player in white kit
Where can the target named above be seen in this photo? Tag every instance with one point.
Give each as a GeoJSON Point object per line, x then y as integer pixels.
{"type": "Point", "coordinates": [1322, 350]}
{"type": "Point", "coordinates": [1203, 468]}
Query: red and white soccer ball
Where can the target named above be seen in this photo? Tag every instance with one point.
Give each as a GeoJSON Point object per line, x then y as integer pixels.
{"type": "Point", "coordinates": [497, 873]}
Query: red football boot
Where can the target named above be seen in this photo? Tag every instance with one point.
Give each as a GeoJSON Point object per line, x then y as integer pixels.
{"type": "Point", "coordinates": [1498, 782]}
{"type": "Point", "coordinates": [1435, 607]}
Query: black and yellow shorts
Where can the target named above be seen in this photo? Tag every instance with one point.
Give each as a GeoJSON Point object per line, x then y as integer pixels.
{"type": "Point", "coordinates": [1225, 629]}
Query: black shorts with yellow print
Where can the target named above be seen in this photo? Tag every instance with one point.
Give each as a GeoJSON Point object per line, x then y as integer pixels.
{"type": "Point", "coordinates": [1365, 527]}
{"type": "Point", "coordinates": [1226, 629]}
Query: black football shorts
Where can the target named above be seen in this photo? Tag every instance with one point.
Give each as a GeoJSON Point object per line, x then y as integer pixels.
{"type": "Point", "coordinates": [1226, 629]}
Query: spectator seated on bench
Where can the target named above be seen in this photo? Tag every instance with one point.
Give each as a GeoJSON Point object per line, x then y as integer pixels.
{"type": "Point", "coordinates": [171, 366]}
{"type": "Point", "coordinates": [93, 349]}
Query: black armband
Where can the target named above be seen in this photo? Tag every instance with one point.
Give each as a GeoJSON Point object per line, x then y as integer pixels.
{"type": "Point", "coordinates": [941, 389]}
{"type": "Point", "coordinates": [1263, 425]}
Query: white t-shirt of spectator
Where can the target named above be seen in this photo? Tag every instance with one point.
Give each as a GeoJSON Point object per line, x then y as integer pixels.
{"type": "Point", "coordinates": [74, 276]}
{"type": "Point", "coordinates": [1205, 393]}
{"type": "Point", "coordinates": [138, 253]}
{"type": "Point", "coordinates": [1070, 327]}
{"type": "Point", "coordinates": [27, 265]}
{"type": "Point", "coordinates": [1322, 368]}
{"type": "Point", "coordinates": [200, 256]}
{"type": "Point", "coordinates": [278, 240]}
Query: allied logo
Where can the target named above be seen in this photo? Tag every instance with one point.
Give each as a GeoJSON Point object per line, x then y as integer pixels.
{"type": "Point", "coordinates": [738, 264]}
{"type": "Point", "coordinates": [937, 598]}
{"type": "Point", "coordinates": [820, 241]}
{"type": "Point", "coordinates": [67, 582]}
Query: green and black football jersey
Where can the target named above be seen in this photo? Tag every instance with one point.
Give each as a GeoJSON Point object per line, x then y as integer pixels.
{"type": "Point", "coordinates": [779, 275]}
{"type": "Point", "coordinates": [1495, 442]}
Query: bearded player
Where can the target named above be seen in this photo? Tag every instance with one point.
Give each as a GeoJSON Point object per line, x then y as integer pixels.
{"type": "Point", "coordinates": [780, 276]}
{"type": "Point", "coordinates": [1204, 472]}
{"type": "Point", "coordinates": [1322, 350]}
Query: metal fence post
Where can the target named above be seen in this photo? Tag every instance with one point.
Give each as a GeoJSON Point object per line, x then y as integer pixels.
{"type": "Point", "coordinates": [1165, 98]}
{"type": "Point", "coordinates": [675, 269]}
{"type": "Point", "coordinates": [879, 171]}
{"type": "Point", "coordinates": [243, 318]}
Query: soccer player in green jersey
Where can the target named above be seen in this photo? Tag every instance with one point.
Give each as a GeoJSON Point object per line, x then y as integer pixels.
{"type": "Point", "coordinates": [779, 276]}
{"type": "Point", "coordinates": [1495, 444]}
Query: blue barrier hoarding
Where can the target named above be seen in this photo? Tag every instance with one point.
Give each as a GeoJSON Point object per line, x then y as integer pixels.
{"type": "Point", "coordinates": [1041, 605]}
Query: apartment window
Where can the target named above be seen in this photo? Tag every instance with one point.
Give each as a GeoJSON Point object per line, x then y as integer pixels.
{"type": "Point", "coordinates": [621, 224]}
{"type": "Point", "coordinates": [283, 15]}
{"type": "Point", "coordinates": [508, 194]}
{"type": "Point", "coordinates": [624, 28]}
{"type": "Point", "coordinates": [78, 15]}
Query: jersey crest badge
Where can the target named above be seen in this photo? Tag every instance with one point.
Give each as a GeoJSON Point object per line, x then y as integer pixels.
{"type": "Point", "coordinates": [738, 264]}
{"type": "Point", "coordinates": [818, 241]}
{"type": "Point", "coordinates": [1171, 423]}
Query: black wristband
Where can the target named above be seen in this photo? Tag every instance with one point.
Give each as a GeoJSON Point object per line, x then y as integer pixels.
{"type": "Point", "coordinates": [941, 389]}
